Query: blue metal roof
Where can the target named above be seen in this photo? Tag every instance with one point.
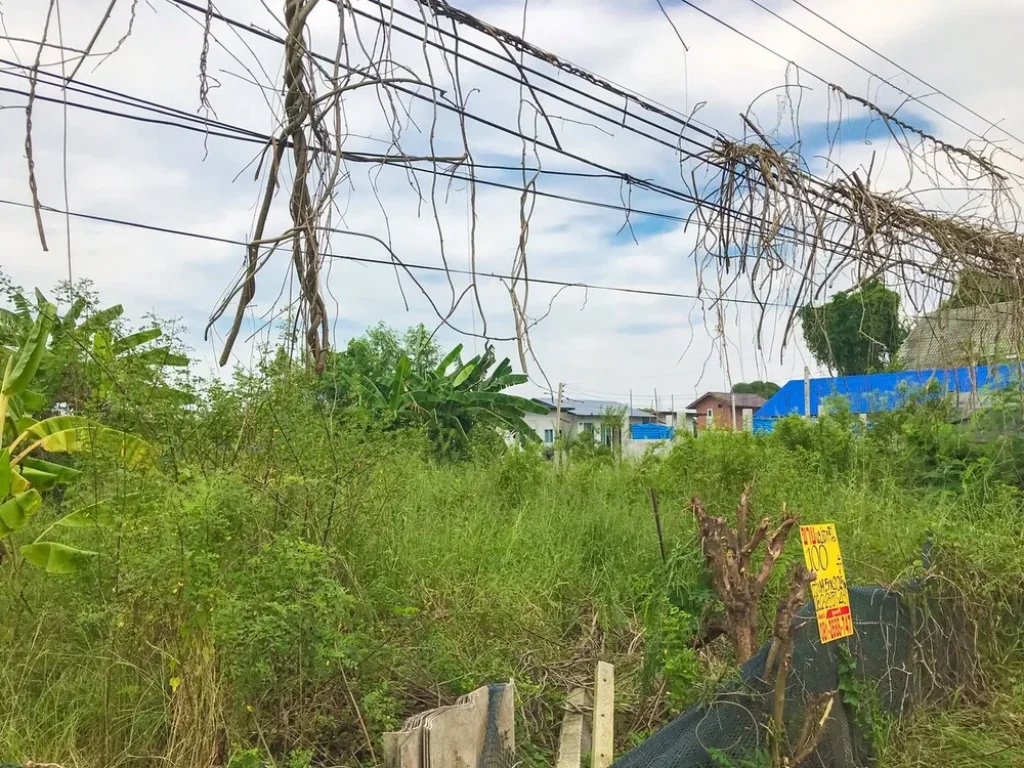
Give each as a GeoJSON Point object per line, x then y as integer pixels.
{"type": "Point", "coordinates": [877, 392]}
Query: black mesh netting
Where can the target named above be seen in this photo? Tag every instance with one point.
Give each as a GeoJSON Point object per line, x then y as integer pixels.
{"type": "Point", "coordinates": [735, 723]}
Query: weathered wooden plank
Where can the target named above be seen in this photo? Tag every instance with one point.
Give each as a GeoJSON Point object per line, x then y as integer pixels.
{"type": "Point", "coordinates": [603, 742]}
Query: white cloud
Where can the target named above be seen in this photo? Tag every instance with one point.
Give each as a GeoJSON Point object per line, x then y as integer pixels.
{"type": "Point", "coordinates": [599, 342]}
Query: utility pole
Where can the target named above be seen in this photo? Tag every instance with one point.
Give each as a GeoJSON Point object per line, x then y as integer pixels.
{"type": "Point", "coordinates": [656, 408]}
{"type": "Point", "coordinates": [733, 402]}
{"type": "Point", "coordinates": [807, 392]}
{"type": "Point", "coordinates": [558, 425]}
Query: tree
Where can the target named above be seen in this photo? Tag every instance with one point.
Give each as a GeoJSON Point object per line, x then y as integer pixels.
{"type": "Point", "coordinates": [376, 355]}
{"type": "Point", "coordinates": [857, 331]}
{"type": "Point", "coordinates": [765, 389]}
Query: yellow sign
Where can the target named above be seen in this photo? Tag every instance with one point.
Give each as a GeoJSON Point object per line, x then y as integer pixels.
{"type": "Point", "coordinates": [831, 598]}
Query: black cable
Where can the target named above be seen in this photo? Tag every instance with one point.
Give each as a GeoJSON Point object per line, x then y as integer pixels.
{"type": "Point", "coordinates": [815, 75]}
{"type": "Point", "coordinates": [628, 178]}
{"type": "Point", "coordinates": [246, 135]}
{"type": "Point", "coordinates": [406, 264]}
{"type": "Point", "coordinates": [907, 71]}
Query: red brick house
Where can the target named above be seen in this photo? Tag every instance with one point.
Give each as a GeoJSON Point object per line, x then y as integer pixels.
{"type": "Point", "coordinates": [715, 409]}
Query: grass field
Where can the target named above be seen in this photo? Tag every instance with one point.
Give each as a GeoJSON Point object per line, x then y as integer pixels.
{"type": "Point", "coordinates": [290, 588]}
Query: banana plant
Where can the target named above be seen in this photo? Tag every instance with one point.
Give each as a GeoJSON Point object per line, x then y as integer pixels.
{"type": "Point", "coordinates": [90, 340]}
{"type": "Point", "coordinates": [25, 476]}
{"type": "Point", "coordinates": [452, 397]}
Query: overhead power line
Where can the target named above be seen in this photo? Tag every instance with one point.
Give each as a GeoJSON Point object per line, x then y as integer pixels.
{"type": "Point", "coordinates": [634, 181]}
{"type": "Point", "coordinates": [712, 300]}
{"type": "Point", "coordinates": [813, 74]}
{"type": "Point", "coordinates": [906, 71]}
{"type": "Point", "coordinates": [219, 129]}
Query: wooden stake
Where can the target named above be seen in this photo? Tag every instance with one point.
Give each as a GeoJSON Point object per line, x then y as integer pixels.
{"type": "Point", "coordinates": [604, 716]}
{"type": "Point", "coordinates": [570, 744]}
{"type": "Point", "coordinates": [657, 522]}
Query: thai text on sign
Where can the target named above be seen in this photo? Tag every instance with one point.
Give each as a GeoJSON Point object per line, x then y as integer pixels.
{"type": "Point", "coordinates": [831, 597]}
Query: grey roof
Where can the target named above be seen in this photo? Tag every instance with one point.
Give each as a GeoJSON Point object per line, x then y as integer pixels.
{"type": "Point", "coordinates": [964, 336]}
{"type": "Point", "coordinates": [743, 400]}
{"type": "Point", "coordinates": [594, 408]}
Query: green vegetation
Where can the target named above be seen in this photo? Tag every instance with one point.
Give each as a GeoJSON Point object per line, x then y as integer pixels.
{"type": "Point", "coordinates": [856, 331]}
{"type": "Point", "coordinates": [765, 389]}
{"type": "Point", "coordinates": [310, 563]}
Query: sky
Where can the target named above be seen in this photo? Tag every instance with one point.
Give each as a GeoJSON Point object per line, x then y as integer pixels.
{"type": "Point", "coordinates": [600, 344]}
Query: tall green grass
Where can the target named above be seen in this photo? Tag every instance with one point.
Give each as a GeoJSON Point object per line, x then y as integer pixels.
{"type": "Point", "coordinates": [298, 582]}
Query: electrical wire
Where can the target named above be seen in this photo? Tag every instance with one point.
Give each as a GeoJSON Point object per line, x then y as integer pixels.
{"type": "Point", "coordinates": [625, 177]}
{"type": "Point", "coordinates": [816, 76]}
{"type": "Point", "coordinates": [906, 71]}
{"type": "Point", "coordinates": [405, 264]}
{"type": "Point", "coordinates": [198, 124]}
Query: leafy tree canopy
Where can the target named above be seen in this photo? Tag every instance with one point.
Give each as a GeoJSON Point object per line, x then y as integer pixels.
{"type": "Point", "coordinates": [376, 354]}
{"type": "Point", "coordinates": [763, 388]}
{"type": "Point", "coordinates": [856, 331]}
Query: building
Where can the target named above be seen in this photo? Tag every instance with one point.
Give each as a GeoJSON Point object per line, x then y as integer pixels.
{"type": "Point", "coordinates": [881, 392]}
{"type": "Point", "coordinates": [583, 416]}
{"type": "Point", "coordinates": [725, 410]}
{"type": "Point", "coordinates": [964, 336]}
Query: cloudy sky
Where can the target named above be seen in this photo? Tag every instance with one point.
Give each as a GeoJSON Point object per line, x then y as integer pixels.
{"type": "Point", "coordinates": [600, 343]}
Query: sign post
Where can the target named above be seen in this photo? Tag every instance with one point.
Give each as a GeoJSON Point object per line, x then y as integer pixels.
{"type": "Point", "coordinates": [831, 597]}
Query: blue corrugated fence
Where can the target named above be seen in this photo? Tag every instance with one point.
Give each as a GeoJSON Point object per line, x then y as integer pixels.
{"type": "Point", "coordinates": [878, 392]}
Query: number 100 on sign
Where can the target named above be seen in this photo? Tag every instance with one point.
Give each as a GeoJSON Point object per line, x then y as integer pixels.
{"type": "Point", "coordinates": [831, 597]}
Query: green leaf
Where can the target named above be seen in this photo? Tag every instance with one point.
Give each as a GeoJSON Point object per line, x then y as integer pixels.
{"type": "Point", "coordinates": [98, 514]}
{"type": "Point", "coordinates": [31, 401]}
{"type": "Point", "coordinates": [52, 428]}
{"type": "Point", "coordinates": [134, 340]}
{"type": "Point", "coordinates": [18, 483]}
{"type": "Point", "coordinates": [15, 512]}
{"type": "Point", "coordinates": [30, 354]}
{"type": "Point", "coordinates": [464, 373]}
{"type": "Point", "coordinates": [450, 358]}
{"type": "Point", "coordinates": [101, 319]}
{"type": "Point", "coordinates": [56, 558]}
{"type": "Point", "coordinates": [72, 315]}
{"type": "Point", "coordinates": [162, 356]}
{"type": "Point", "coordinates": [64, 474]}
{"type": "Point", "coordinates": [5, 473]}
{"type": "Point", "coordinates": [134, 452]}
{"type": "Point", "coordinates": [40, 479]}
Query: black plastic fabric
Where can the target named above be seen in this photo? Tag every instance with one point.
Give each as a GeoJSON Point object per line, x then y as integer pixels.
{"type": "Point", "coordinates": [735, 723]}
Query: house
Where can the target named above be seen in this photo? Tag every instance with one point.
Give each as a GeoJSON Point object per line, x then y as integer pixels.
{"type": "Point", "coordinates": [684, 420]}
{"type": "Point", "coordinates": [584, 416]}
{"type": "Point", "coordinates": [964, 336]}
{"type": "Point", "coordinates": [725, 410]}
{"type": "Point", "coordinates": [881, 392]}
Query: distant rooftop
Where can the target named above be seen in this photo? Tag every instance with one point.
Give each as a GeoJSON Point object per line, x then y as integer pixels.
{"type": "Point", "coordinates": [590, 407]}
{"type": "Point", "coordinates": [741, 400]}
{"type": "Point", "coordinates": [964, 336]}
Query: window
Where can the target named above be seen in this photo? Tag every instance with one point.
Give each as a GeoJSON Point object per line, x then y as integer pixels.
{"type": "Point", "coordinates": [711, 413]}
{"type": "Point", "coordinates": [549, 436]}
{"type": "Point", "coordinates": [588, 427]}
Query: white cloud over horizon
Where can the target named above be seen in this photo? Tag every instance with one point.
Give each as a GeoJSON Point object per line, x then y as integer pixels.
{"type": "Point", "coordinates": [600, 343]}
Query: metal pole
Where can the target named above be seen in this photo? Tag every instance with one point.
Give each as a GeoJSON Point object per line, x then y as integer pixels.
{"type": "Point", "coordinates": [807, 392]}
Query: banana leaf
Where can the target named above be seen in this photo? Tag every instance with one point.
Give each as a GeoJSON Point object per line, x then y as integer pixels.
{"type": "Point", "coordinates": [15, 512]}
{"type": "Point", "coordinates": [30, 354]}
{"type": "Point", "coordinates": [56, 558]}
